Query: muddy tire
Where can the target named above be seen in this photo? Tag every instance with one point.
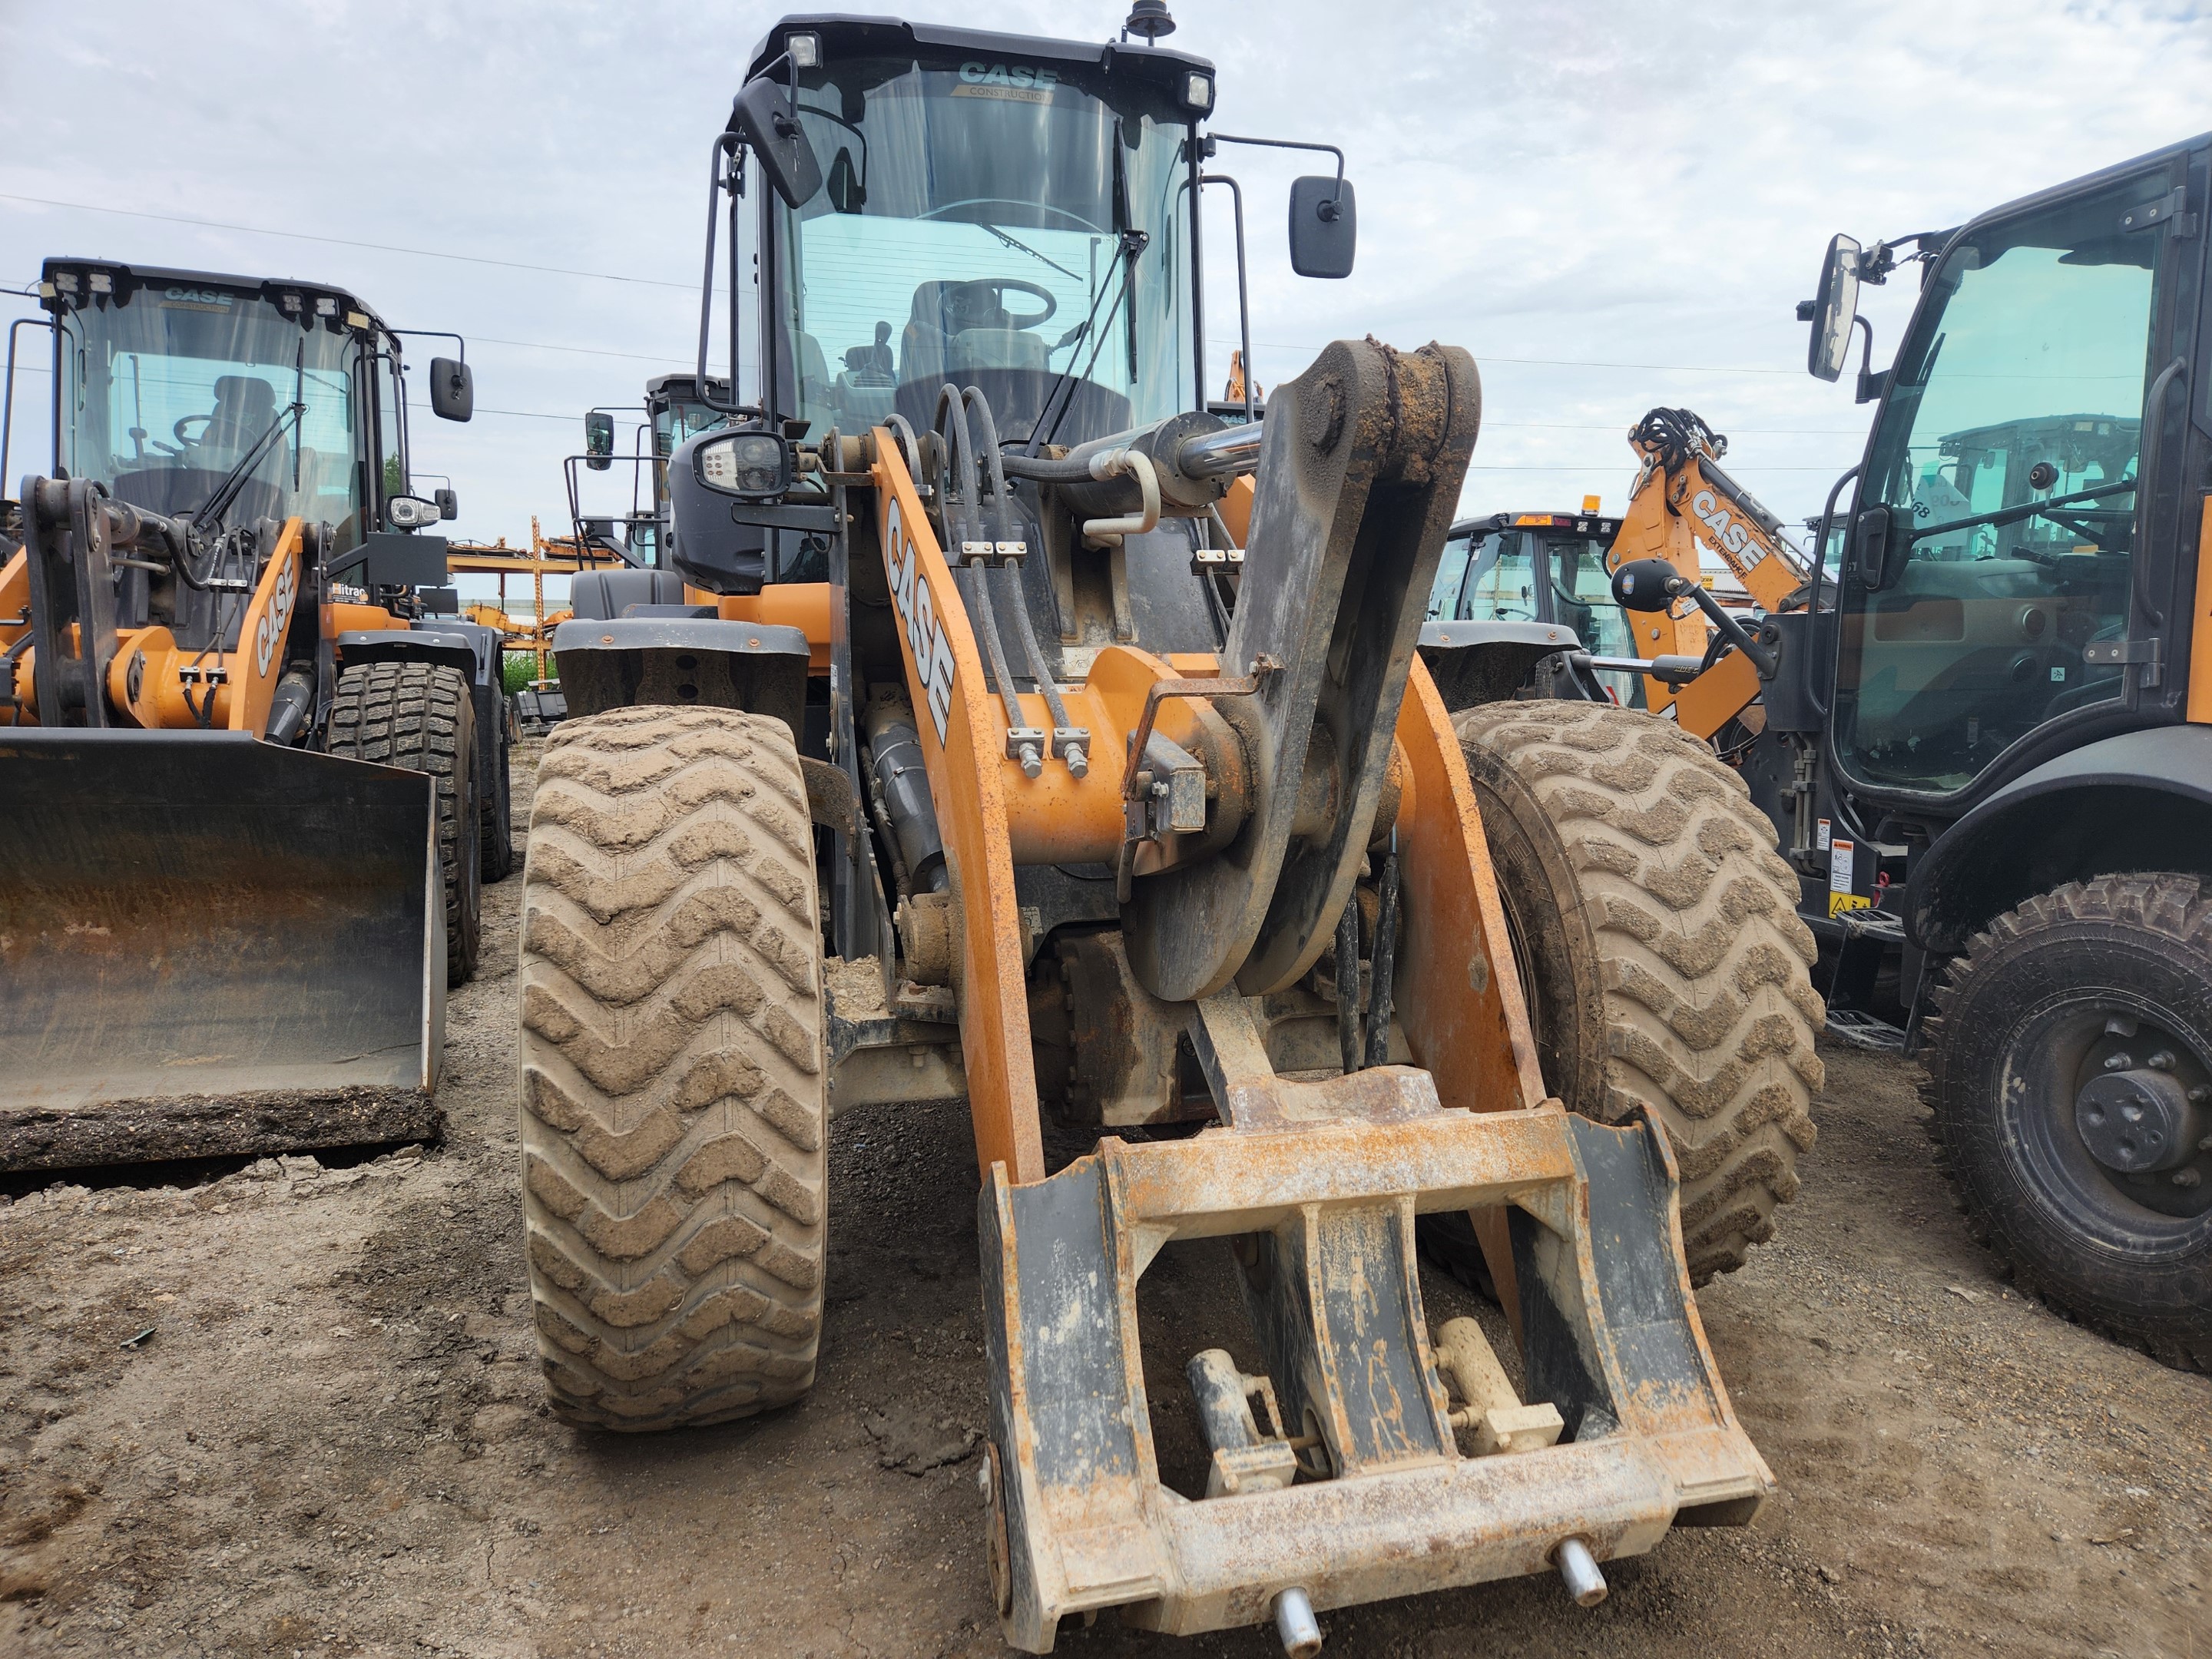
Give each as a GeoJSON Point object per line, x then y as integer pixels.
{"type": "Point", "coordinates": [2080, 1023]}
{"type": "Point", "coordinates": [674, 1079]}
{"type": "Point", "coordinates": [1656, 931]}
{"type": "Point", "coordinates": [420, 716]}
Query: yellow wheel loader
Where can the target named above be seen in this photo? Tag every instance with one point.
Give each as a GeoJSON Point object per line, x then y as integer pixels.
{"type": "Point", "coordinates": [255, 765]}
{"type": "Point", "coordinates": [1096, 778]}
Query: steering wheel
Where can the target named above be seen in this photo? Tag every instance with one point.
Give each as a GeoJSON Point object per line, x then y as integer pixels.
{"type": "Point", "coordinates": [180, 426]}
{"type": "Point", "coordinates": [959, 299]}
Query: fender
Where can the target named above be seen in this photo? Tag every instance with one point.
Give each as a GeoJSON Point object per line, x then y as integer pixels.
{"type": "Point", "coordinates": [2139, 801]}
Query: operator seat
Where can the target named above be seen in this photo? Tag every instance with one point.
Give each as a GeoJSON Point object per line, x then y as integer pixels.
{"type": "Point", "coordinates": [244, 408]}
{"type": "Point", "coordinates": [950, 335]}
{"type": "Point", "coordinates": [603, 595]}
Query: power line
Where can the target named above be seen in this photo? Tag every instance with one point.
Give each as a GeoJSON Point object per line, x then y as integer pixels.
{"type": "Point", "coordinates": [1483, 357]}
{"type": "Point", "coordinates": [343, 242]}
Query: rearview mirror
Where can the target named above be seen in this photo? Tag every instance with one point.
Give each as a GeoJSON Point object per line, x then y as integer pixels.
{"type": "Point", "coordinates": [453, 390]}
{"type": "Point", "coordinates": [449, 504]}
{"type": "Point", "coordinates": [764, 113]}
{"type": "Point", "coordinates": [598, 439]}
{"type": "Point", "coordinates": [1324, 227]}
{"type": "Point", "coordinates": [1834, 306]}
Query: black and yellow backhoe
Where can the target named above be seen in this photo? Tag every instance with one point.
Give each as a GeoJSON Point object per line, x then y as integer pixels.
{"type": "Point", "coordinates": [254, 766]}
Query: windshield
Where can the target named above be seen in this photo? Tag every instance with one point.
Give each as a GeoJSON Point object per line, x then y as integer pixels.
{"type": "Point", "coordinates": [969, 230]}
{"type": "Point", "coordinates": [2007, 455]}
{"type": "Point", "coordinates": [164, 393]}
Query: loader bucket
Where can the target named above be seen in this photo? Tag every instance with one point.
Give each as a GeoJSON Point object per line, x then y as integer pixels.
{"type": "Point", "coordinates": [211, 944]}
{"type": "Point", "coordinates": [1319, 1202]}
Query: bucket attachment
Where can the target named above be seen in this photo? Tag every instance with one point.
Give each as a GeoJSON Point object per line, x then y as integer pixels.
{"type": "Point", "coordinates": [1317, 1185]}
{"type": "Point", "coordinates": [211, 945]}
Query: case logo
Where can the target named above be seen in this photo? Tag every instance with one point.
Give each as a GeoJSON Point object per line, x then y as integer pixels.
{"type": "Point", "coordinates": [917, 613]}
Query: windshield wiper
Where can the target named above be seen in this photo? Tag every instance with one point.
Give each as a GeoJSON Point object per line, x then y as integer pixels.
{"type": "Point", "coordinates": [2005, 515]}
{"type": "Point", "coordinates": [1017, 242]}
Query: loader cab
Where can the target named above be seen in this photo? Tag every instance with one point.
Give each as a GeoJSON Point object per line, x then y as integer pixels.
{"type": "Point", "coordinates": [1540, 568]}
{"type": "Point", "coordinates": [166, 381]}
{"type": "Point", "coordinates": [999, 211]}
{"type": "Point", "coordinates": [2009, 589]}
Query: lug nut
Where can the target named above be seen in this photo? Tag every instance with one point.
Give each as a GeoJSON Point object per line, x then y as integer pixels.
{"type": "Point", "coordinates": [2187, 1177]}
{"type": "Point", "coordinates": [2161, 1061]}
{"type": "Point", "coordinates": [1579, 1568]}
{"type": "Point", "coordinates": [1296, 1624]}
{"type": "Point", "coordinates": [2117, 1063]}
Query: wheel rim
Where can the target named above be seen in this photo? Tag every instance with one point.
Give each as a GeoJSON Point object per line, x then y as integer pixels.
{"type": "Point", "coordinates": [2103, 1099]}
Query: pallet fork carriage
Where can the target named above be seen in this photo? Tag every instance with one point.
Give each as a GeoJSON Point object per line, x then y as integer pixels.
{"type": "Point", "coordinates": [1051, 725]}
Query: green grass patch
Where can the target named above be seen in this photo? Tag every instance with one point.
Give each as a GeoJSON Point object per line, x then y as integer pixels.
{"type": "Point", "coordinates": [518, 668]}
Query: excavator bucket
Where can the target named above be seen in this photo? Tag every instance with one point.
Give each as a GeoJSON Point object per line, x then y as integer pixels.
{"type": "Point", "coordinates": [212, 945]}
{"type": "Point", "coordinates": [1626, 1431]}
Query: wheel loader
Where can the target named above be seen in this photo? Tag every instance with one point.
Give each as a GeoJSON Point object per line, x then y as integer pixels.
{"type": "Point", "coordinates": [255, 765]}
{"type": "Point", "coordinates": [1987, 745]}
{"type": "Point", "coordinates": [1095, 781]}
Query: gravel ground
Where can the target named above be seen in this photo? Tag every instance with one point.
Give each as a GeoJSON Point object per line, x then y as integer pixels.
{"type": "Point", "coordinates": [331, 1443]}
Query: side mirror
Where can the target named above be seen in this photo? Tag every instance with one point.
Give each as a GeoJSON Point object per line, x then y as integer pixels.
{"type": "Point", "coordinates": [764, 115]}
{"type": "Point", "coordinates": [1324, 227]}
{"type": "Point", "coordinates": [598, 439]}
{"type": "Point", "coordinates": [453, 390]}
{"type": "Point", "coordinates": [410, 512]}
{"type": "Point", "coordinates": [449, 504]}
{"type": "Point", "coordinates": [1834, 306]}
{"type": "Point", "coordinates": [1646, 586]}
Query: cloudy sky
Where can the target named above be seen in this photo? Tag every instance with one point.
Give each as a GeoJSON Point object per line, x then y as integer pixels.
{"type": "Point", "coordinates": [1609, 207]}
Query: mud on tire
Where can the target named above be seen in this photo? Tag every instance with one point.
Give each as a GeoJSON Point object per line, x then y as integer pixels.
{"type": "Point", "coordinates": [674, 1079]}
{"type": "Point", "coordinates": [1656, 929]}
{"type": "Point", "coordinates": [420, 716]}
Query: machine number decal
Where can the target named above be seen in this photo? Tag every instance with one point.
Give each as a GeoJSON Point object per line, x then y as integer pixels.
{"type": "Point", "coordinates": [270, 628]}
{"type": "Point", "coordinates": [917, 613]}
{"type": "Point", "coordinates": [1725, 531]}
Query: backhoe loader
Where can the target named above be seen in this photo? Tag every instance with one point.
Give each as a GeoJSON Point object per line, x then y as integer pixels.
{"type": "Point", "coordinates": [255, 765]}
{"type": "Point", "coordinates": [1052, 794]}
{"type": "Point", "coordinates": [1986, 744]}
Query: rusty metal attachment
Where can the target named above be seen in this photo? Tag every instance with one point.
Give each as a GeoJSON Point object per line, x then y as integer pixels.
{"type": "Point", "coordinates": [1316, 1184]}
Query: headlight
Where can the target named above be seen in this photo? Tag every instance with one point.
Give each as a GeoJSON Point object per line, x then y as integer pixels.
{"type": "Point", "coordinates": [409, 512]}
{"type": "Point", "coordinates": [750, 464]}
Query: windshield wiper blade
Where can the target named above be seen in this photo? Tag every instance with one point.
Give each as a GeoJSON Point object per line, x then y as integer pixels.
{"type": "Point", "coordinates": [1017, 242]}
{"type": "Point", "coordinates": [2005, 515]}
{"type": "Point", "coordinates": [209, 513]}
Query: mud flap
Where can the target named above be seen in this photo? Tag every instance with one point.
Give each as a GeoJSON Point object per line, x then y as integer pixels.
{"type": "Point", "coordinates": [212, 945]}
{"type": "Point", "coordinates": [1321, 1216]}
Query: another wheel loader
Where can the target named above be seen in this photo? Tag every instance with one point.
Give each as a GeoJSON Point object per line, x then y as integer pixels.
{"type": "Point", "coordinates": [255, 767]}
{"type": "Point", "coordinates": [1057, 796]}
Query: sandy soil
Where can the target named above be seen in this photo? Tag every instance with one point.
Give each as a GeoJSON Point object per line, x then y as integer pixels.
{"type": "Point", "coordinates": [331, 1443]}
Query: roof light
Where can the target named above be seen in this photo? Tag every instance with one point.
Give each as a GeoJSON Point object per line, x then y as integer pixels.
{"type": "Point", "coordinates": [1198, 91]}
{"type": "Point", "coordinates": [65, 281]}
{"type": "Point", "coordinates": [101, 281]}
{"type": "Point", "coordinates": [1592, 504]}
{"type": "Point", "coordinates": [325, 306]}
{"type": "Point", "coordinates": [356, 320]}
{"type": "Point", "coordinates": [805, 50]}
{"type": "Point", "coordinates": [1534, 518]}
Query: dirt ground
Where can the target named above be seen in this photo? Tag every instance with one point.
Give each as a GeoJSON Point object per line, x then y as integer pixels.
{"type": "Point", "coordinates": [328, 1439]}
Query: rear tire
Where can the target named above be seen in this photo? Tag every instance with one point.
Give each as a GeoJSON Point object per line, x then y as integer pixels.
{"type": "Point", "coordinates": [1656, 933]}
{"type": "Point", "coordinates": [420, 716]}
{"type": "Point", "coordinates": [675, 1083]}
{"type": "Point", "coordinates": [2027, 1018]}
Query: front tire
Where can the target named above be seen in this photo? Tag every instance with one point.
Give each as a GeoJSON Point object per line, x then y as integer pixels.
{"type": "Point", "coordinates": [421, 716]}
{"type": "Point", "coordinates": [1656, 933]}
{"type": "Point", "coordinates": [2109, 983]}
{"type": "Point", "coordinates": [674, 1078]}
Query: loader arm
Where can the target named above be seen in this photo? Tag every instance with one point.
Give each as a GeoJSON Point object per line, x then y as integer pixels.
{"type": "Point", "coordinates": [1681, 501]}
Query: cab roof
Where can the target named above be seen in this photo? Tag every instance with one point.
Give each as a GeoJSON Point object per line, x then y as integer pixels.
{"type": "Point", "coordinates": [847, 35]}
{"type": "Point", "coordinates": [123, 281]}
{"type": "Point", "coordinates": [1578, 524]}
